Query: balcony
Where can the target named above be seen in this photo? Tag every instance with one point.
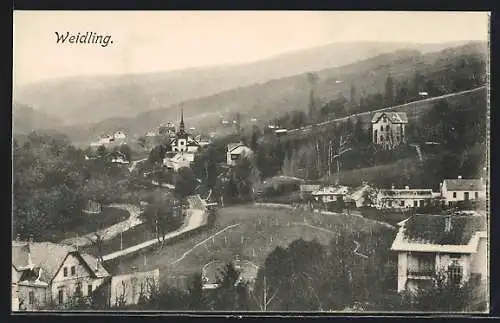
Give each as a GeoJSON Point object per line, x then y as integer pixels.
{"type": "Point", "coordinates": [421, 272]}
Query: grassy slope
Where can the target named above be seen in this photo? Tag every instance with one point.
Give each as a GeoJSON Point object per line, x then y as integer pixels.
{"type": "Point", "coordinates": [258, 225]}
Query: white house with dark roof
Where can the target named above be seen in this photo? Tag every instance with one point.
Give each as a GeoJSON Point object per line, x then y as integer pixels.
{"type": "Point", "coordinates": [237, 151]}
{"type": "Point", "coordinates": [389, 128]}
{"type": "Point", "coordinates": [460, 189]}
{"type": "Point", "coordinates": [428, 245]}
{"type": "Point", "coordinates": [403, 198]}
{"type": "Point", "coordinates": [46, 273]}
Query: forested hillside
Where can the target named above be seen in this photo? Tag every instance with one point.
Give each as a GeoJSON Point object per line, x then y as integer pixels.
{"type": "Point", "coordinates": [269, 100]}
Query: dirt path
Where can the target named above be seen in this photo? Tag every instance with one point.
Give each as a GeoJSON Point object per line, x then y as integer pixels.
{"type": "Point", "coordinates": [203, 242]}
{"type": "Point", "coordinates": [112, 231]}
{"type": "Point", "coordinates": [330, 231]}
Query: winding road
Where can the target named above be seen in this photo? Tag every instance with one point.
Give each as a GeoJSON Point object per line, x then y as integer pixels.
{"type": "Point", "coordinates": [112, 231]}
{"type": "Point", "coordinates": [195, 218]}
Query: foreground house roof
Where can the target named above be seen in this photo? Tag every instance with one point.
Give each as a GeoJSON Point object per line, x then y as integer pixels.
{"type": "Point", "coordinates": [464, 184]}
{"type": "Point", "coordinates": [49, 257]}
{"type": "Point", "coordinates": [394, 117]}
{"type": "Point", "coordinates": [427, 233]}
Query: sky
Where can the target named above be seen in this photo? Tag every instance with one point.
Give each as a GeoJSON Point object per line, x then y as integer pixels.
{"type": "Point", "coordinates": [171, 40]}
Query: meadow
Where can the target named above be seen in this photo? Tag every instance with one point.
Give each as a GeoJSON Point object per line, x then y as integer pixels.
{"type": "Point", "coordinates": [249, 232]}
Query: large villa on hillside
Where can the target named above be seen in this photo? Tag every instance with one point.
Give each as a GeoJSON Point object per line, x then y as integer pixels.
{"type": "Point", "coordinates": [389, 129]}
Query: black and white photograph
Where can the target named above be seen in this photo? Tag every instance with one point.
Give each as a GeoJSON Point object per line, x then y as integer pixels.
{"type": "Point", "coordinates": [251, 161]}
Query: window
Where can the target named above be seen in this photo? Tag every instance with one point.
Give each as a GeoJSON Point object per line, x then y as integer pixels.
{"type": "Point", "coordinates": [65, 272]}
{"type": "Point", "coordinates": [397, 138]}
{"type": "Point", "coordinates": [466, 196]}
{"type": "Point", "coordinates": [73, 271]}
{"type": "Point", "coordinates": [60, 296]}
{"type": "Point", "coordinates": [454, 195]}
{"type": "Point", "coordinates": [375, 134]}
{"type": "Point", "coordinates": [381, 138]}
{"type": "Point", "coordinates": [455, 273]}
{"type": "Point", "coordinates": [415, 203]}
{"type": "Point", "coordinates": [235, 156]}
{"type": "Point", "coordinates": [402, 203]}
{"type": "Point", "coordinates": [389, 203]}
{"type": "Point", "coordinates": [476, 195]}
{"type": "Point", "coordinates": [89, 290]}
{"type": "Point", "coordinates": [31, 297]}
{"type": "Point", "coordinates": [421, 203]}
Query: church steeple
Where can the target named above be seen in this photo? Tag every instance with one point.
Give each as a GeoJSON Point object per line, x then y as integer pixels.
{"type": "Point", "coordinates": [181, 126]}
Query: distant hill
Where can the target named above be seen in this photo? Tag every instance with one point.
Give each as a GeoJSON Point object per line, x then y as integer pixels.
{"type": "Point", "coordinates": [26, 119]}
{"type": "Point", "coordinates": [267, 100]}
{"type": "Point", "coordinates": [82, 100]}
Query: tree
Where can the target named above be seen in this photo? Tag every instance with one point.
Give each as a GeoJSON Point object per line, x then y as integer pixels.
{"type": "Point", "coordinates": [232, 291]}
{"type": "Point", "coordinates": [157, 154]}
{"type": "Point", "coordinates": [353, 95]}
{"type": "Point", "coordinates": [389, 91]}
{"type": "Point", "coordinates": [185, 182]}
{"type": "Point", "coordinates": [313, 80]}
{"type": "Point", "coordinates": [196, 298]}
{"type": "Point", "coordinates": [127, 151]}
{"type": "Point", "coordinates": [162, 215]}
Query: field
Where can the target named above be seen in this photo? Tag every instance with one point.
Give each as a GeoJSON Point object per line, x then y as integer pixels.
{"type": "Point", "coordinates": [249, 232]}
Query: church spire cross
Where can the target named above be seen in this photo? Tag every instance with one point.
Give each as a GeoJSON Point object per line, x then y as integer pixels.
{"type": "Point", "coordinates": [181, 128]}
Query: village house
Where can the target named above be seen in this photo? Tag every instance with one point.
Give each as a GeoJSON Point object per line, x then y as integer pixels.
{"type": "Point", "coordinates": [46, 274]}
{"type": "Point", "coordinates": [388, 129]}
{"type": "Point", "coordinates": [455, 190]}
{"type": "Point", "coordinates": [118, 157]}
{"type": "Point", "coordinates": [432, 245]}
{"type": "Point", "coordinates": [237, 151]}
{"type": "Point", "coordinates": [404, 198]}
{"type": "Point", "coordinates": [175, 161]}
{"type": "Point", "coordinates": [330, 194]}
{"type": "Point", "coordinates": [358, 194]}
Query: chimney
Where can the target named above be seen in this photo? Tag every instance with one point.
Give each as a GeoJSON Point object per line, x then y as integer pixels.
{"type": "Point", "coordinates": [393, 186]}
{"type": "Point", "coordinates": [407, 187]}
{"type": "Point", "coordinates": [459, 176]}
{"type": "Point", "coordinates": [447, 223]}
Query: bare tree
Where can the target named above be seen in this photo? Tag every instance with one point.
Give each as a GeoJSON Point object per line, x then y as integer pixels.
{"type": "Point", "coordinates": [264, 302]}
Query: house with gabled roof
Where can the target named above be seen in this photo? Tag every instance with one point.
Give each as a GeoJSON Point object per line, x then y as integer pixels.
{"type": "Point", "coordinates": [237, 151]}
{"type": "Point", "coordinates": [461, 189]}
{"type": "Point", "coordinates": [431, 245]}
{"type": "Point", "coordinates": [389, 129]}
{"type": "Point", "coordinates": [45, 273]}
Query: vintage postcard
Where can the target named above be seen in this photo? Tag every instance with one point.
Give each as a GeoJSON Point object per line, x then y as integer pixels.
{"type": "Point", "coordinates": [246, 161]}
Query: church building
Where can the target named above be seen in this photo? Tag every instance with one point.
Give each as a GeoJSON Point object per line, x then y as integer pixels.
{"type": "Point", "coordinates": [182, 144]}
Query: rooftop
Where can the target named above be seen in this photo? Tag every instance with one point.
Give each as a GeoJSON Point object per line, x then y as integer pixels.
{"type": "Point", "coordinates": [464, 184]}
{"type": "Point", "coordinates": [394, 117]}
{"type": "Point", "coordinates": [430, 229]}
